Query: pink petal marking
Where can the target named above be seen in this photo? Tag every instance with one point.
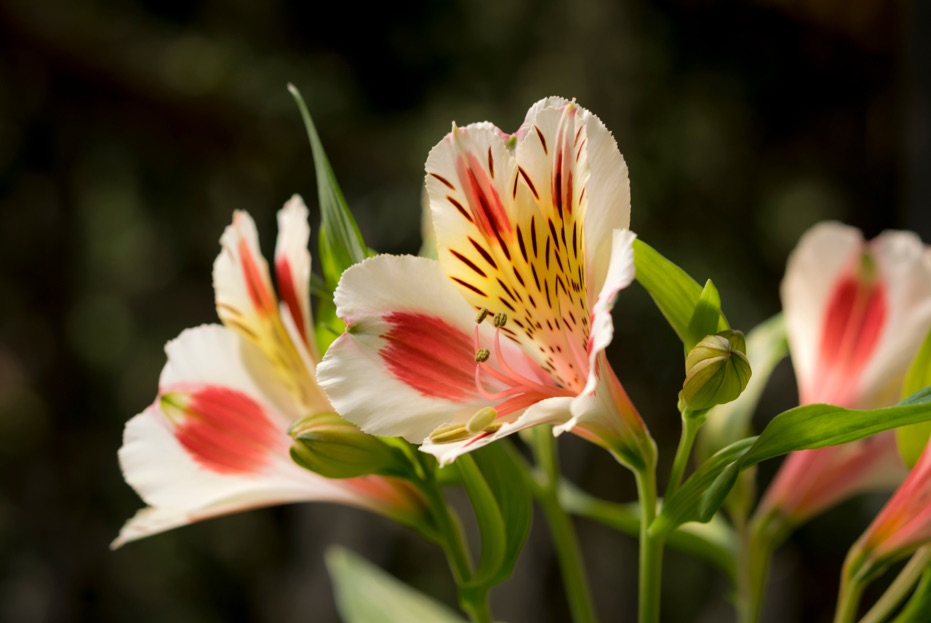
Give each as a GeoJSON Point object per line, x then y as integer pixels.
{"type": "Point", "coordinates": [483, 198]}
{"type": "Point", "coordinates": [262, 298]}
{"type": "Point", "coordinates": [430, 355]}
{"type": "Point", "coordinates": [288, 293]}
{"type": "Point", "coordinates": [855, 318]}
{"type": "Point", "coordinates": [224, 430]}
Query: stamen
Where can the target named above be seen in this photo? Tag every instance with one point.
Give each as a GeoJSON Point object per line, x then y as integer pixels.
{"type": "Point", "coordinates": [482, 355]}
{"type": "Point", "coordinates": [500, 320]}
{"type": "Point", "coordinates": [450, 433]}
{"type": "Point", "coordinates": [482, 314]}
{"type": "Point", "coordinates": [482, 419]}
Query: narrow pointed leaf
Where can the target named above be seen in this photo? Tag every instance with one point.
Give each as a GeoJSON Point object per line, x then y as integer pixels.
{"type": "Point", "coordinates": [364, 593]}
{"type": "Point", "coordinates": [672, 289]}
{"type": "Point", "coordinates": [912, 439]}
{"type": "Point", "coordinates": [490, 521]}
{"type": "Point", "coordinates": [801, 428]}
{"type": "Point", "coordinates": [918, 607]}
{"type": "Point", "coordinates": [504, 477]}
{"type": "Point", "coordinates": [341, 243]}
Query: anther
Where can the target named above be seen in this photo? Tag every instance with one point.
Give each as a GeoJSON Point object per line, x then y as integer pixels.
{"type": "Point", "coordinates": [482, 314]}
{"type": "Point", "coordinates": [482, 355]}
{"type": "Point", "coordinates": [500, 319]}
{"type": "Point", "coordinates": [482, 419]}
{"type": "Point", "coordinates": [450, 433]}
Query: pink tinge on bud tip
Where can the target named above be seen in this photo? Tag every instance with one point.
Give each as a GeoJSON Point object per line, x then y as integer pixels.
{"type": "Point", "coordinates": [224, 430]}
{"type": "Point", "coordinates": [853, 323]}
{"type": "Point", "coordinates": [429, 355]}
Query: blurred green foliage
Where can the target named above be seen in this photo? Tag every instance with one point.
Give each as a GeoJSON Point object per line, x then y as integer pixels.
{"type": "Point", "coordinates": [130, 131]}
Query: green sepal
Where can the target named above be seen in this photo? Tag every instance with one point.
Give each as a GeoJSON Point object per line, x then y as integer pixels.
{"type": "Point", "coordinates": [364, 593]}
{"type": "Point", "coordinates": [913, 439]}
{"type": "Point", "coordinates": [340, 244]}
{"type": "Point", "coordinates": [801, 428]}
{"type": "Point", "coordinates": [675, 293]}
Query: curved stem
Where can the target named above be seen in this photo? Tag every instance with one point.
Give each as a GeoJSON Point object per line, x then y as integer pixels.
{"type": "Point", "coordinates": [690, 425]}
{"type": "Point", "coordinates": [900, 587]}
{"type": "Point", "coordinates": [564, 538]}
{"type": "Point", "coordinates": [758, 540]}
{"type": "Point", "coordinates": [651, 548]}
{"type": "Point", "coordinates": [452, 540]}
{"type": "Point", "coordinates": [848, 601]}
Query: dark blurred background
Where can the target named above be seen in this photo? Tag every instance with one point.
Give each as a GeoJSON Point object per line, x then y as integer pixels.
{"type": "Point", "coordinates": [130, 131]}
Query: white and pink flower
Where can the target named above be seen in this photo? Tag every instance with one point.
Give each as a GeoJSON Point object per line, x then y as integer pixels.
{"type": "Point", "coordinates": [507, 329]}
{"type": "Point", "coordinates": [215, 440]}
{"type": "Point", "coordinates": [855, 312]}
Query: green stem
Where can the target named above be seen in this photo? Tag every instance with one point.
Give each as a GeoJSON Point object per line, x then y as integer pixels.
{"type": "Point", "coordinates": [452, 540]}
{"type": "Point", "coordinates": [651, 548]}
{"type": "Point", "coordinates": [899, 588]}
{"type": "Point", "coordinates": [848, 601]}
{"type": "Point", "coordinates": [758, 541]}
{"type": "Point", "coordinates": [564, 539]}
{"type": "Point", "coordinates": [691, 422]}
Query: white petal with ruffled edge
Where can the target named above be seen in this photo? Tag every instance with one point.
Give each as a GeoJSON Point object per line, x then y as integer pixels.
{"type": "Point", "coordinates": [905, 265]}
{"type": "Point", "coordinates": [387, 396]}
{"type": "Point", "coordinates": [822, 255]}
{"type": "Point", "coordinates": [292, 268]}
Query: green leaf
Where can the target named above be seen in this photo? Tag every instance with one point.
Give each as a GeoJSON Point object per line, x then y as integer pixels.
{"type": "Point", "coordinates": [705, 317]}
{"type": "Point", "coordinates": [364, 593]}
{"type": "Point", "coordinates": [341, 243]}
{"type": "Point", "coordinates": [801, 428]}
{"type": "Point", "coordinates": [766, 347]}
{"type": "Point", "coordinates": [918, 607]}
{"type": "Point", "coordinates": [327, 325]}
{"type": "Point", "coordinates": [913, 439]}
{"type": "Point", "coordinates": [504, 476]}
{"type": "Point", "coordinates": [490, 521]}
{"type": "Point", "coordinates": [672, 289]}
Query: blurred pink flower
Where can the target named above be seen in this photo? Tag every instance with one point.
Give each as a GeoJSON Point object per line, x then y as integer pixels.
{"type": "Point", "coordinates": [855, 314]}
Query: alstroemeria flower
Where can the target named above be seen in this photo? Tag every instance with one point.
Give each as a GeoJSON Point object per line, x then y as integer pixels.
{"type": "Point", "coordinates": [855, 313]}
{"type": "Point", "coordinates": [507, 329]}
{"type": "Point", "coordinates": [215, 440]}
{"type": "Point", "coordinates": [904, 523]}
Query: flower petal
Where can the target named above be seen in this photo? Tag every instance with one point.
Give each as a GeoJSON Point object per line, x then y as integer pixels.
{"type": "Point", "coordinates": [292, 267]}
{"type": "Point", "coordinates": [905, 265]}
{"type": "Point", "coordinates": [814, 268]}
{"type": "Point", "coordinates": [247, 303]}
{"type": "Point", "coordinates": [409, 341]}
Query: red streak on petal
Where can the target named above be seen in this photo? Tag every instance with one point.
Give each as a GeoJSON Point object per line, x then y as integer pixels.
{"type": "Point", "coordinates": [262, 298]}
{"type": "Point", "coordinates": [483, 199]}
{"type": "Point", "coordinates": [227, 432]}
{"type": "Point", "coordinates": [855, 319]}
{"type": "Point", "coordinates": [430, 355]}
{"type": "Point", "coordinates": [289, 294]}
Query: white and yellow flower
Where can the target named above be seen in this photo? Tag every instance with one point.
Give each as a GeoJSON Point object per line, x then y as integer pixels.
{"type": "Point", "coordinates": [508, 328]}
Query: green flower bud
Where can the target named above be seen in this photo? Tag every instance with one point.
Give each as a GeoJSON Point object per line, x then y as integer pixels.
{"type": "Point", "coordinates": [327, 444]}
{"type": "Point", "coordinates": [716, 371]}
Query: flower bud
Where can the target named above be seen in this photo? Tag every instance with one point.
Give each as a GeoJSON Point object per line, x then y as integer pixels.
{"type": "Point", "coordinates": [716, 371]}
{"type": "Point", "coordinates": [327, 444]}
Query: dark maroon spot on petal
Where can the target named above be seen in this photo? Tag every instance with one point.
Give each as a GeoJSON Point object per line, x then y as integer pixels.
{"type": "Point", "coordinates": [491, 163]}
{"type": "Point", "coordinates": [533, 189]}
{"type": "Point", "coordinates": [467, 262]}
{"type": "Point", "coordinates": [520, 243]}
{"type": "Point", "coordinates": [505, 302]}
{"type": "Point", "coordinates": [542, 139]}
{"type": "Point", "coordinates": [485, 254]}
{"type": "Point", "coordinates": [468, 285]}
{"type": "Point", "coordinates": [461, 209]}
